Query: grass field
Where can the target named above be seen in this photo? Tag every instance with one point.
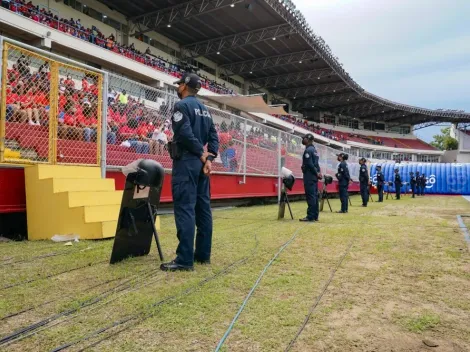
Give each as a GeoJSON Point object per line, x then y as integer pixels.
{"type": "Point", "coordinates": [404, 285]}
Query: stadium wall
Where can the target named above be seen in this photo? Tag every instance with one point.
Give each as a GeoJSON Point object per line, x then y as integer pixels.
{"type": "Point", "coordinates": [223, 187]}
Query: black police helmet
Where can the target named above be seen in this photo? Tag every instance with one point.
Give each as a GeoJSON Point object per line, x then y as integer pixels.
{"type": "Point", "coordinates": [328, 179]}
{"type": "Point", "coordinates": [363, 159]}
{"type": "Point", "coordinates": [149, 173]}
{"type": "Point", "coordinates": [192, 80]}
{"type": "Point", "coordinates": [308, 136]}
{"type": "Point", "coordinates": [344, 156]}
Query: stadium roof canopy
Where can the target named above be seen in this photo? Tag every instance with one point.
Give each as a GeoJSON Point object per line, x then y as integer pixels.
{"type": "Point", "coordinates": [269, 43]}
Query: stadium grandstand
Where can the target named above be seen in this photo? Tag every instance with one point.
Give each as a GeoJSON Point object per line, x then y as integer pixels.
{"type": "Point", "coordinates": [87, 91]}
{"type": "Point", "coordinates": [268, 79]}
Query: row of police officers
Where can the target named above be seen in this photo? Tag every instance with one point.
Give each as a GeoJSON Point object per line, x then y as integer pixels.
{"type": "Point", "coordinates": [194, 129]}
{"type": "Point", "coordinates": [311, 176]}
{"type": "Point", "coordinates": [417, 183]}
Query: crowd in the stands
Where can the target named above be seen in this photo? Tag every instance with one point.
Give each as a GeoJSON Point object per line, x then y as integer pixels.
{"type": "Point", "coordinates": [130, 123]}
{"type": "Point", "coordinates": [93, 35]}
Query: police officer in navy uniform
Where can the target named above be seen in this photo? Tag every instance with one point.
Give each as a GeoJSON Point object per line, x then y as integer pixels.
{"type": "Point", "coordinates": [418, 183]}
{"type": "Point", "coordinates": [397, 182]}
{"type": "Point", "coordinates": [380, 182]}
{"type": "Point", "coordinates": [311, 174]}
{"type": "Point", "coordinates": [193, 129]}
{"type": "Point", "coordinates": [412, 184]}
{"type": "Point", "coordinates": [423, 183]}
{"type": "Point", "coordinates": [343, 180]}
{"type": "Point", "coordinates": [364, 181]}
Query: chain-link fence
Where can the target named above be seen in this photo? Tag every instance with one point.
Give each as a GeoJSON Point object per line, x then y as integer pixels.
{"type": "Point", "coordinates": [139, 122]}
{"type": "Point", "coordinates": [50, 111]}
{"type": "Point", "coordinates": [26, 106]}
{"type": "Point", "coordinates": [79, 108]}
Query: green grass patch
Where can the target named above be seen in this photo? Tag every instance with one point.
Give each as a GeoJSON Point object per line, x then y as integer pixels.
{"type": "Point", "coordinates": [420, 322]}
{"type": "Point", "coordinates": [407, 257]}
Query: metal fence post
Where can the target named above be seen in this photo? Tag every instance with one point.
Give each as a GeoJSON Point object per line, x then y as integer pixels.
{"type": "Point", "coordinates": [244, 150]}
{"type": "Point", "coordinates": [104, 124]}
{"type": "Point", "coordinates": [279, 179]}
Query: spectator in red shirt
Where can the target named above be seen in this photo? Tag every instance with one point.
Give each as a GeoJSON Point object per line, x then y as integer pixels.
{"type": "Point", "coordinates": [69, 83]}
{"type": "Point", "coordinates": [130, 134]}
{"type": "Point", "coordinates": [224, 139]}
{"type": "Point", "coordinates": [85, 84]}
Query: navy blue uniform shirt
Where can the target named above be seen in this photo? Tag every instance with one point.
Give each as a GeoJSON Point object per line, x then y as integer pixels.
{"type": "Point", "coordinates": [343, 174]}
{"type": "Point", "coordinates": [363, 174]}
{"type": "Point", "coordinates": [193, 128]}
{"type": "Point", "coordinates": [310, 166]}
{"type": "Point", "coordinates": [380, 178]}
{"type": "Point", "coordinates": [397, 179]}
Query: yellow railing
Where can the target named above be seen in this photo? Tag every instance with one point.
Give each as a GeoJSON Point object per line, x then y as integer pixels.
{"type": "Point", "coordinates": [50, 111]}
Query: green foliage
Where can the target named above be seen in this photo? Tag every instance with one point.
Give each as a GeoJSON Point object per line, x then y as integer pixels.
{"type": "Point", "coordinates": [444, 141]}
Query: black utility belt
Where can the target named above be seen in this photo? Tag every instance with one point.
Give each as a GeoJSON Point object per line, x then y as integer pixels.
{"type": "Point", "coordinates": [176, 152]}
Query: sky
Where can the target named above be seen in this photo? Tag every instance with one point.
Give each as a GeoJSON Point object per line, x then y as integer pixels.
{"type": "Point", "coordinates": [415, 52]}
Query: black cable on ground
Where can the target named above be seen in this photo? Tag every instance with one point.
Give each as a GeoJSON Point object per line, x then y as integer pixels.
{"type": "Point", "coordinates": [245, 301]}
{"type": "Point", "coordinates": [38, 257]}
{"type": "Point", "coordinates": [317, 301]}
{"type": "Point", "coordinates": [51, 275]}
{"type": "Point", "coordinates": [35, 328]}
{"type": "Point", "coordinates": [15, 335]}
{"type": "Point", "coordinates": [11, 315]}
{"type": "Point", "coordinates": [85, 290]}
{"type": "Point", "coordinates": [139, 317]}
{"type": "Point", "coordinates": [88, 288]}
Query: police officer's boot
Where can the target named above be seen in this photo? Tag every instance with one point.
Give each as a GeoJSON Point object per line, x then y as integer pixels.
{"type": "Point", "coordinates": [202, 261]}
{"type": "Point", "coordinates": [173, 266]}
{"type": "Point", "coordinates": [306, 220]}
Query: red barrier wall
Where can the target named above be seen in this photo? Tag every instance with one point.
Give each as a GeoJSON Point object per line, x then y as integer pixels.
{"type": "Point", "coordinates": [13, 197]}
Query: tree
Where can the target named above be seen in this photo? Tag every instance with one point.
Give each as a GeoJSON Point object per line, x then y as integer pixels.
{"type": "Point", "coordinates": [444, 141]}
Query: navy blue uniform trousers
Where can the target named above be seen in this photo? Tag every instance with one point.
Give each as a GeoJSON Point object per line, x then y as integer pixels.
{"type": "Point", "coordinates": [380, 191]}
{"type": "Point", "coordinates": [397, 191]}
{"type": "Point", "coordinates": [365, 193]}
{"type": "Point", "coordinates": [191, 202]}
{"type": "Point", "coordinates": [311, 192]}
{"type": "Point", "coordinates": [413, 190]}
{"type": "Point", "coordinates": [343, 196]}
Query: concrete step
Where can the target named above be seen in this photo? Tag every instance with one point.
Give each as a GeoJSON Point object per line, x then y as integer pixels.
{"type": "Point", "coordinates": [68, 171]}
{"type": "Point", "coordinates": [100, 213]}
{"type": "Point", "coordinates": [80, 199]}
{"type": "Point", "coordinates": [82, 184]}
{"type": "Point", "coordinates": [108, 228]}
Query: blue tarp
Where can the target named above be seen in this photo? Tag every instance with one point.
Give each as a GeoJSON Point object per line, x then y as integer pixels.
{"type": "Point", "coordinates": [441, 178]}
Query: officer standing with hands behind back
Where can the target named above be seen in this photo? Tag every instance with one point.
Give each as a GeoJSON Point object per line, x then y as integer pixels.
{"type": "Point", "coordinates": [193, 128]}
{"type": "Point", "coordinates": [343, 180]}
{"type": "Point", "coordinates": [364, 181]}
{"type": "Point", "coordinates": [380, 182]}
{"type": "Point", "coordinates": [311, 172]}
{"type": "Point", "coordinates": [412, 184]}
{"type": "Point", "coordinates": [397, 182]}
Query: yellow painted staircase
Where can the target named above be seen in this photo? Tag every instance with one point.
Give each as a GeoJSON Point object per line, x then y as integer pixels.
{"type": "Point", "coordinates": [62, 200]}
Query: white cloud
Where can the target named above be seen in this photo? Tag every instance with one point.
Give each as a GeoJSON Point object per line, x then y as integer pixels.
{"type": "Point", "coordinates": [415, 52]}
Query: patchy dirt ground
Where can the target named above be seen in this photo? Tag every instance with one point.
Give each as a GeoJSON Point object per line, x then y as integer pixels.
{"type": "Point", "coordinates": [404, 285]}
